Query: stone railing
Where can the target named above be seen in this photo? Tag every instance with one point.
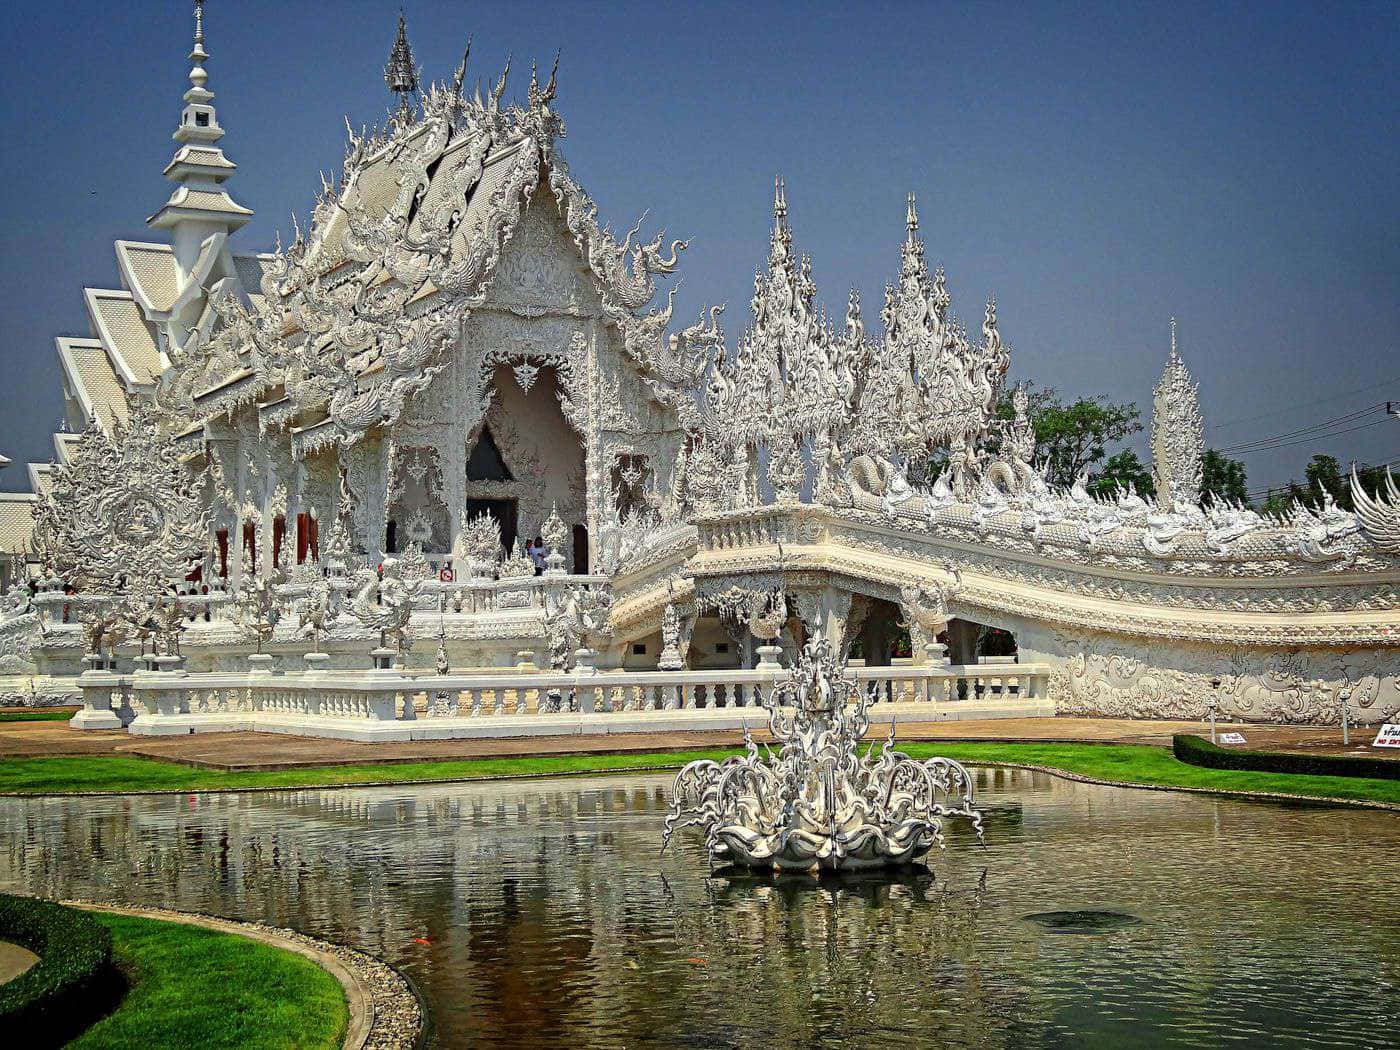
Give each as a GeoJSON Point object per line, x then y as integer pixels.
{"type": "Point", "coordinates": [62, 614]}
{"type": "Point", "coordinates": [394, 705]}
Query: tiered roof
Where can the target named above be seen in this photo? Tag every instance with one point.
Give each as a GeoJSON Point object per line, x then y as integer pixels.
{"type": "Point", "coordinates": [131, 327]}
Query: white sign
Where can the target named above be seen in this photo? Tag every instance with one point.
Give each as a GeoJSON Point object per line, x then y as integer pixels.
{"type": "Point", "coordinates": [1389, 736]}
{"type": "Point", "coordinates": [1232, 738]}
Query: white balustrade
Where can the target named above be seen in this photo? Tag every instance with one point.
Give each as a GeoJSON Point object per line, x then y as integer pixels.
{"type": "Point", "coordinates": [381, 704]}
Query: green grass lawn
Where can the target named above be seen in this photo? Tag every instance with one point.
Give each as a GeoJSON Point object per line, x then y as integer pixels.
{"type": "Point", "coordinates": [1158, 767]}
{"type": "Point", "coordinates": [1136, 764]}
{"type": "Point", "coordinates": [192, 987]}
{"type": "Point", "coordinates": [36, 715]}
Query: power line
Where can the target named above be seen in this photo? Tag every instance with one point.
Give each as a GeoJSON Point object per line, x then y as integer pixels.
{"type": "Point", "coordinates": [1304, 440]}
{"type": "Point", "coordinates": [1311, 427]}
{"type": "Point", "coordinates": [1305, 404]}
{"type": "Point", "coordinates": [1391, 460]}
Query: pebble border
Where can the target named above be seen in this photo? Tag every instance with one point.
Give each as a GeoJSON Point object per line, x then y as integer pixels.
{"type": "Point", "coordinates": [384, 1009]}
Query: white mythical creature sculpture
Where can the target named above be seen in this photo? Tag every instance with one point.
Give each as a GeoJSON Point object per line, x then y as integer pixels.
{"type": "Point", "coordinates": [315, 610]}
{"type": "Point", "coordinates": [925, 606]}
{"type": "Point", "coordinates": [1379, 517]}
{"type": "Point", "coordinates": [1226, 522]}
{"type": "Point", "coordinates": [819, 805]}
{"type": "Point", "coordinates": [1014, 473]}
{"type": "Point", "coordinates": [1316, 531]}
{"type": "Point", "coordinates": [257, 607]}
{"type": "Point", "coordinates": [386, 604]}
{"type": "Point", "coordinates": [571, 616]}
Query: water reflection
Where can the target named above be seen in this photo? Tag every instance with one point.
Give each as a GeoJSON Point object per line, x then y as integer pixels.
{"type": "Point", "coordinates": [536, 913]}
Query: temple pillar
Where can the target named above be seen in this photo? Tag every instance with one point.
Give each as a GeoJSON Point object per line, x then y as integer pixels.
{"type": "Point", "coordinates": [962, 641]}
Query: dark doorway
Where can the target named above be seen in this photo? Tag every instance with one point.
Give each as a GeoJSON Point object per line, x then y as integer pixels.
{"type": "Point", "coordinates": [581, 550]}
{"type": "Point", "coordinates": [503, 510]}
{"type": "Point", "coordinates": [486, 462]}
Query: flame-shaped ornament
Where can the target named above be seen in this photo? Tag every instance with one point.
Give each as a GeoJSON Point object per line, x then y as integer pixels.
{"type": "Point", "coordinates": [819, 804]}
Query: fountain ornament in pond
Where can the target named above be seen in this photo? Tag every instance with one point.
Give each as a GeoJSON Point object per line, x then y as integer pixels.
{"type": "Point", "coordinates": [819, 804]}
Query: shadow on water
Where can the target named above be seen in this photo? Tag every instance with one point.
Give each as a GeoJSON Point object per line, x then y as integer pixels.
{"type": "Point", "coordinates": [1083, 922]}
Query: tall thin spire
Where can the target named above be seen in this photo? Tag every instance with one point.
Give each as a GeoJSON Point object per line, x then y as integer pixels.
{"type": "Point", "coordinates": [399, 73]}
{"type": "Point", "coordinates": [199, 205]}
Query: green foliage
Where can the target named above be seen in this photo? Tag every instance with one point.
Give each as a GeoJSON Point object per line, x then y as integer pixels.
{"type": "Point", "coordinates": [1158, 767]}
{"type": "Point", "coordinates": [1223, 478]}
{"type": "Point", "coordinates": [70, 985]}
{"type": "Point", "coordinates": [1071, 438]}
{"type": "Point", "coordinates": [1201, 752]}
{"type": "Point", "coordinates": [1324, 477]}
{"type": "Point", "coordinates": [194, 987]}
{"type": "Point", "coordinates": [1121, 470]}
{"type": "Point", "coordinates": [993, 641]}
{"type": "Point", "coordinates": [37, 714]}
{"type": "Point", "coordinates": [1153, 766]}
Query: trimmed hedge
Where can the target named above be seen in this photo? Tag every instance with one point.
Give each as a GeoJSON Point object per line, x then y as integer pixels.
{"type": "Point", "coordinates": [1201, 752]}
{"type": "Point", "coordinates": [71, 985]}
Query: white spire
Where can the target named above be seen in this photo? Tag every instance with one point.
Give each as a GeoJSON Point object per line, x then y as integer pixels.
{"type": "Point", "coordinates": [199, 166]}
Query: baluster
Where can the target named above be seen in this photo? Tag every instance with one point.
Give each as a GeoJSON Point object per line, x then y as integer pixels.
{"type": "Point", "coordinates": [499, 707]}
{"type": "Point", "coordinates": [474, 695]}
{"type": "Point", "coordinates": [520, 697]}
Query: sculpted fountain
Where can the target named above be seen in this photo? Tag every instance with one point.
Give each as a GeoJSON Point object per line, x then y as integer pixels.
{"type": "Point", "coordinates": [819, 805]}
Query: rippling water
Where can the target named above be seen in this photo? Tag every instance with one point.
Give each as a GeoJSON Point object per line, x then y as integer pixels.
{"type": "Point", "coordinates": [539, 913]}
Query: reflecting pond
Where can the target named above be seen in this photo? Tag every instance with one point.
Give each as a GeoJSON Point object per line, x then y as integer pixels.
{"type": "Point", "coordinates": [539, 913]}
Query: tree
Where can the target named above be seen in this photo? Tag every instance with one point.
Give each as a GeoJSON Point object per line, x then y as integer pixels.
{"type": "Point", "coordinates": [1223, 478]}
{"type": "Point", "coordinates": [1123, 469]}
{"type": "Point", "coordinates": [1071, 438]}
{"type": "Point", "coordinates": [1323, 477]}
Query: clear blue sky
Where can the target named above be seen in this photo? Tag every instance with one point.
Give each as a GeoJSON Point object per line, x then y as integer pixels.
{"type": "Point", "coordinates": [1100, 168]}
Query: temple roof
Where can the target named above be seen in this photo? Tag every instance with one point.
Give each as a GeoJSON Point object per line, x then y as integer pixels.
{"type": "Point", "coordinates": [91, 377]}
{"type": "Point", "coordinates": [129, 338]}
{"type": "Point", "coordinates": [150, 272]}
{"type": "Point", "coordinates": [16, 521]}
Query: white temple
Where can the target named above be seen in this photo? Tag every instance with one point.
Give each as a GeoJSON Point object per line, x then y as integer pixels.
{"type": "Point", "coordinates": [348, 442]}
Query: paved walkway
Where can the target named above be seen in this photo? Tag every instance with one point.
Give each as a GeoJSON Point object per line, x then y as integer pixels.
{"type": "Point", "coordinates": [274, 751]}
{"type": "Point", "coordinates": [14, 960]}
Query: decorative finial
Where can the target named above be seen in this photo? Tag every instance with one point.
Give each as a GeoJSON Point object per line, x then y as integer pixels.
{"type": "Point", "coordinates": [198, 76]}
{"type": "Point", "coordinates": [461, 74]}
{"type": "Point", "coordinates": [911, 215]}
{"type": "Point", "coordinates": [1173, 324]}
{"type": "Point", "coordinates": [536, 96]}
{"type": "Point", "coordinates": [400, 74]}
{"type": "Point", "coordinates": [779, 200]}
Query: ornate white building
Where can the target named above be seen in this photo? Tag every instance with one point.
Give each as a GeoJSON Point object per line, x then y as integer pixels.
{"type": "Point", "coordinates": [455, 334]}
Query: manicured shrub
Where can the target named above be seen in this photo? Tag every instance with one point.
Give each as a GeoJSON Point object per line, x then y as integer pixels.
{"type": "Point", "coordinates": [71, 985]}
{"type": "Point", "coordinates": [1201, 752]}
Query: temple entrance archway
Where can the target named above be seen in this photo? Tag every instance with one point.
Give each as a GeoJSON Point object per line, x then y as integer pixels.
{"type": "Point", "coordinates": [525, 459]}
